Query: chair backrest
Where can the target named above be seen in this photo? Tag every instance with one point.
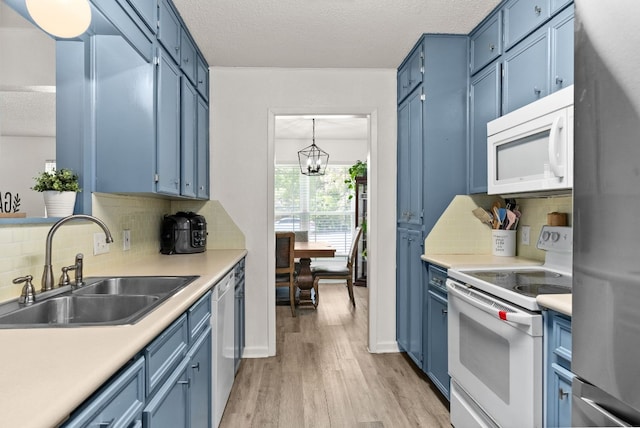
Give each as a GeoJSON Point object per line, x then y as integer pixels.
{"type": "Point", "coordinates": [285, 242]}
{"type": "Point", "coordinates": [355, 239]}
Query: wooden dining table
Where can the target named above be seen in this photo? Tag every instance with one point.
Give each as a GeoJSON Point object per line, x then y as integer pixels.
{"type": "Point", "coordinates": [305, 251]}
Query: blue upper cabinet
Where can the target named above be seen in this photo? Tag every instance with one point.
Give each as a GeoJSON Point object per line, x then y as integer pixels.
{"type": "Point", "coordinates": [410, 72]}
{"type": "Point", "coordinates": [410, 159]}
{"type": "Point", "coordinates": [484, 106]}
{"type": "Point", "coordinates": [189, 100]}
{"type": "Point", "coordinates": [151, 133]}
{"type": "Point", "coordinates": [562, 49]}
{"type": "Point", "coordinates": [148, 11]}
{"type": "Point", "coordinates": [167, 176]}
{"type": "Point", "coordinates": [486, 42]}
{"type": "Point", "coordinates": [169, 31]}
{"type": "Point", "coordinates": [188, 58]}
{"type": "Point", "coordinates": [526, 71]}
{"type": "Point", "coordinates": [523, 16]}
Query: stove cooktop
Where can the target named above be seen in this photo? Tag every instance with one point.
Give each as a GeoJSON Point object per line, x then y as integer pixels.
{"type": "Point", "coordinates": [528, 282]}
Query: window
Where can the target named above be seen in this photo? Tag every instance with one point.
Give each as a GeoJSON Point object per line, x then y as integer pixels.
{"type": "Point", "coordinates": [319, 205]}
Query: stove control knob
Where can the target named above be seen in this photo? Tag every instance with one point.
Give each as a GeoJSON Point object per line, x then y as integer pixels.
{"type": "Point", "coordinates": [545, 236]}
{"type": "Point", "coordinates": [555, 236]}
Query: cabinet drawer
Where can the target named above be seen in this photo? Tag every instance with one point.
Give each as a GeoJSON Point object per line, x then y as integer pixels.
{"type": "Point", "coordinates": [169, 30]}
{"type": "Point", "coordinates": [437, 277]}
{"type": "Point", "coordinates": [118, 404]}
{"type": "Point", "coordinates": [521, 17]}
{"type": "Point", "coordinates": [166, 352]}
{"type": "Point", "coordinates": [198, 316]}
{"type": "Point", "coordinates": [486, 43]}
{"type": "Point", "coordinates": [561, 340]}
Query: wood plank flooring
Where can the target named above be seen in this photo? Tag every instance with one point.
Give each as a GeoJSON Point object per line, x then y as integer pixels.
{"type": "Point", "coordinates": [323, 376]}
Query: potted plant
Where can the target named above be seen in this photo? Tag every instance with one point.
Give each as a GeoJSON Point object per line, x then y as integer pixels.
{"type": "Point", "coordinates": [358, 169]}
{"type": "Point", "coordinates": [59, 189]}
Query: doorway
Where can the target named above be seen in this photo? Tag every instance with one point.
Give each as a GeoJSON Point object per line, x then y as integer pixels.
{"type": "Point", "coordinates": [317, 205]}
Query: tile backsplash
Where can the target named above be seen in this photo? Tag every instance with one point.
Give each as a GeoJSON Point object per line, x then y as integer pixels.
{"type": "Point", "coordinates": [459, 232]}
{"type": "Point", "coordinates": [22, 246]}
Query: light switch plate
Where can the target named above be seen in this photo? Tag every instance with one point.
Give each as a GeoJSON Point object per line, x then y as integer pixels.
{"type": "Point", "coordinates": [126, 240]}
{"type": "Point", "coordinates": [525, 235]}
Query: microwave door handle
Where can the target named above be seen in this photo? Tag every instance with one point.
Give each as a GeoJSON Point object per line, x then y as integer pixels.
{"type": "Point", "coordinates": [554, 135]}
{"type": "Point", "coordinates": [524, 319]}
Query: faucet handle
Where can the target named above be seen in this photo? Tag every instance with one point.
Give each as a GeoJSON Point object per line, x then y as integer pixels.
{"type": "Point", "coordinates": [28, 295]}
{"type": "Point", "coordinates": [64, 278]}
{"type": "Point", "coordinates": [78, 267]}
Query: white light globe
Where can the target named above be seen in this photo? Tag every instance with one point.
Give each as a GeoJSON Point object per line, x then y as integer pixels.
{"type": "Point", "coordinates": [61, 18]}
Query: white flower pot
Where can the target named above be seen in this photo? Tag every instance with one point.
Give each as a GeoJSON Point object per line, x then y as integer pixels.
{"type": "Point", "coordinates": [58, 204]}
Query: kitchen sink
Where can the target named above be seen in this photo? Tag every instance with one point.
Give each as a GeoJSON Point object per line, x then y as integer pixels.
{"type": "Point", "coordinates": [102, 301]}
{"type": "Point", "coordinates": [134, 285]}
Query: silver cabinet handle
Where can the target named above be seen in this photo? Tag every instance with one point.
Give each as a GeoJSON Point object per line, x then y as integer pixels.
{"type": "Point", "coordinates": [184, 382]}
{"type": "Point", "coordinates": [537, 10]}
{"type": "Point", "coordinates": [196, 366]}
{"type": "Point", "coordinates": [445, 312]}
{"type": "Point", "coordinates": [492, 47]}
{"type": "Point", "coordinates": [562, 394]}
{"type": "Point", "coordinates": [106, 424]}
{"type": "Point", "coordinates": [559, 80]}
{"type": "Point", "coordinates": [537, 90]}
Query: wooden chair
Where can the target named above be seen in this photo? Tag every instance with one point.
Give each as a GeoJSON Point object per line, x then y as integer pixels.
{"type": "Point", "coordinates": [346, 273]}
{"type": "Point", "coordinates": [285, 267]}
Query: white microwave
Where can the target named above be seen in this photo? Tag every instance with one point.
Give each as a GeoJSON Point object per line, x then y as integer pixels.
{"type": "Point", "coordinates": [531, 149]}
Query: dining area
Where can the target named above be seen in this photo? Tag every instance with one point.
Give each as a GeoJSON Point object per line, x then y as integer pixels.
{"type": "Point", "coordinates": [295, 272]}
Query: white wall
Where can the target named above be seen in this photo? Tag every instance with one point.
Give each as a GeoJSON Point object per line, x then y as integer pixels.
{"type": "Point", "coordinates": [244, 102]}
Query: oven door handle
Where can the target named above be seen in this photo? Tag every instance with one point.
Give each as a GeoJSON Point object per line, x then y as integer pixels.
{"type": "Point", "coordinates": [518, 318]}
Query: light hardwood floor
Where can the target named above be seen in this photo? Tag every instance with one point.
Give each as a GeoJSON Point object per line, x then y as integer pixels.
{"type": "Point", "coordinates": [323, 376]}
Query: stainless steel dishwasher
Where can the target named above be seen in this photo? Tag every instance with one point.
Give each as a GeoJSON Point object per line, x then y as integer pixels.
{"type": "Point", "coordinates": [222, 320]}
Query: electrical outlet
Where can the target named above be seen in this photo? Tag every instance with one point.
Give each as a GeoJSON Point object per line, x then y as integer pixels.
{"type": "Point", "coordinates": [525, 235]}
{"type": "Point", "coordinates": [100, 245]}
{"type": "Point", "coordinates": [126, 240]}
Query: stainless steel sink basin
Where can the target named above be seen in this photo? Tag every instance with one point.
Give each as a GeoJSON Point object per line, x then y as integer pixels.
{"type": "Point", "coordinates": [80, 310]}
{"type": "Point", "coordinates": [135, 285]}
{"type": "Point", "coordinates": [102, 301]}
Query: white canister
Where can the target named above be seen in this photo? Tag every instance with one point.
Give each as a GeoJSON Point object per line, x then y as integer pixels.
{"type": "Point", "coordinates": [503, 242]}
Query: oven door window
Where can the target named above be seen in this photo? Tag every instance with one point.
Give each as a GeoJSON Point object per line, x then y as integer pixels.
{"type": "Point", "coordinates": [486, 354]}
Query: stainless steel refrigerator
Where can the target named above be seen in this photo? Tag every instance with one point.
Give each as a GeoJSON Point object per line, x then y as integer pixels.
{"type": "Point", "coordinates": [606, 261]}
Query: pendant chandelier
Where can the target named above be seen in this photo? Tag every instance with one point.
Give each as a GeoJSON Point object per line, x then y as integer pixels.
{"type": "Point", "coordinates": [313, 160]}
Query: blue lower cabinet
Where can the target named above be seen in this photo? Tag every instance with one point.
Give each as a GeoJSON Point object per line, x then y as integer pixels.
{"type": "Point", "coordinates": [436, 331]}
{"type": "Point", "coordinates": [200, 363]}
{"type": "Point", "coordinates": [169, 408]}
{"type": "Point", "coordinates": [557, 369]}
{"type": "Point", "coordinates": [119, 403]}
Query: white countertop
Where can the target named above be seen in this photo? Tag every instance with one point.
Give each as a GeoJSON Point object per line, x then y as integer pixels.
{"type": "Point", "coordinates": [48, 372]}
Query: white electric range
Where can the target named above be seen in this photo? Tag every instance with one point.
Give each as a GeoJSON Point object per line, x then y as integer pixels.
{"type": "Point", "coordinates": [495, 336]}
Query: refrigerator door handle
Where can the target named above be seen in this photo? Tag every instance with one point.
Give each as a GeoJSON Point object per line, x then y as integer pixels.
{"type": "Point", "coordinates": [591, 407]}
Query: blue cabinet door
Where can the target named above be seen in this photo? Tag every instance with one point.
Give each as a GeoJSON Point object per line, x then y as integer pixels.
{"type": "Point", "coordinates": [484, 106]}
{"type": "Point", "coordinates": [200, 362]}
{"type": "Point", "coordinates": [148, 11]}
{"type": "Point", "coordinates": [410, 159]}
{"type": "Point", "coordinates": [188, 143]}
{"type": "Point", "coordinates": [168, 126]}
{"type": "Point", "coordinates": [410, 72]}
{"type": "Point", "coordinates": [124, 117]}
{"type": "Point", "coordinates": [169, 29]}
{"type": "Point", "coordinates": [409, 293]}
{"type": "Point", "coordinates": [202, 150]}
{"type": "Point", "coordinates": [562, 49]}
{"type": "Point", "coordinates": [486, 43]}
{"type": "Point", "coordinates": [169, 407]}
{"type": "Point", "coordinates": [438, 367]}
{"type": "Point", "coordinates": [522, 17]}
{"type": "Point", "coordinates": [188, 59]}
{"type": "Point", "coordinates": [526, 71]}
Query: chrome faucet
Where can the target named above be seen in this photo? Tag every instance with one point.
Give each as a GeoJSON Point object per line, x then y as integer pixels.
{"type": "Point", "coordinates": [47, 275]}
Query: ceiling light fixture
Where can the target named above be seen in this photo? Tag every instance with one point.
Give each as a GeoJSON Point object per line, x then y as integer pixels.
{"type": "Point", "coordinates": [61, 18]}
{"type": "Point", "coordinates": [313, 160]}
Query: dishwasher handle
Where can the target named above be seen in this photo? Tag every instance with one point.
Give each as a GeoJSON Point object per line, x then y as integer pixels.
{"type": "Point", "coordinates": [487, 305]}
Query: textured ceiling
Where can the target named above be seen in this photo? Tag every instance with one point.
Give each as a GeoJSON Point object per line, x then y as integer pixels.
{"type": "Point", "coordinates": [322, 34]}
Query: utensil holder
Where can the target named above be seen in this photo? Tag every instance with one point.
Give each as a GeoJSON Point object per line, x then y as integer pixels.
{"type": "Point", "coordinates": [503, 242]}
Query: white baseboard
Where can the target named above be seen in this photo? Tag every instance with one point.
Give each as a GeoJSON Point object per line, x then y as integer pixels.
{"type": "Point", "coordinates": [385, 348]}
{"type": "Point", "coordinates": [255, 352]}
